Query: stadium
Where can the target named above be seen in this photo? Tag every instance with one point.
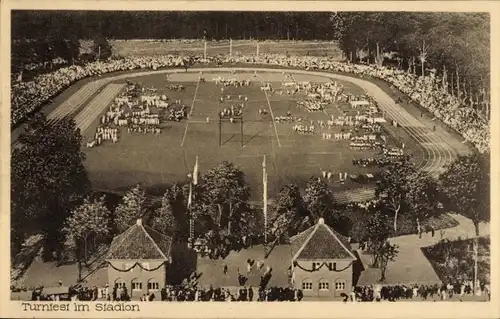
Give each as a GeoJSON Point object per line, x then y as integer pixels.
{"type": "Point", "coordinates": [157, 113]}
{"type": "Point", "coordinates": [431, 150]}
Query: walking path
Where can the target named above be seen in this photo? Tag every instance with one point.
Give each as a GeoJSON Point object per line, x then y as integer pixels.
{"type": "Point", "coordinates": [465, 229]}
{"type": "Point", "coordinates": [411, 265]}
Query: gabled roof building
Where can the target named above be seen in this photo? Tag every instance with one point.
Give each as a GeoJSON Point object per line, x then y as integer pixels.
{"type": "Point", "coordinates": [322, 262]}
{"type": "Point", "coordinates": [138, 259]}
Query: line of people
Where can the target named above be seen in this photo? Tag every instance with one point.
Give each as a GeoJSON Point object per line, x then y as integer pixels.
{"type": "Point", "coordinates": [443, 292]}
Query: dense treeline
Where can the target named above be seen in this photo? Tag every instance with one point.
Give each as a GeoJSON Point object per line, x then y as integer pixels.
{"type": "Point", "coordinates": [456, 45]}
{"type": "Point", "coordinates": [41, 36]}
{"type": "Point", "coordinates": [159, 25]}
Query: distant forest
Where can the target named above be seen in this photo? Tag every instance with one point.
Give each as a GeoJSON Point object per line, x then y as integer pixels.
{"type": "Point", "coordinates": [456, 45]}
{"type": "Point", "coordinates": [161, 25]}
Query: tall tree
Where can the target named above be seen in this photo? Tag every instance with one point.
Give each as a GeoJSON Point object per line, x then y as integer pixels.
{"type": "Point", "coordinates": [422, 197]}
{"type": "Point", "coordinates": [48, 178]}
{"type": "Point", "coordinates": [289, 211]}
{"type": "Point", "coordinates": [378, 232]}
{"type": "Point", "coordinates": [466, 184]}
{"type": "Point", "coordinates": [318, 198]}
{"type": "Point", "coordinates": [387, 253]}
{"type": "Point", "coordinates": [132, 208]}
{"type": "Point", "coordinates": [393, 186]}
{"type": "Point", "coordinates": [87, 224]}
{"type": "Point", "coordinates": [163, 219]}
{"type": "Point", "coordinates": [224, 187]}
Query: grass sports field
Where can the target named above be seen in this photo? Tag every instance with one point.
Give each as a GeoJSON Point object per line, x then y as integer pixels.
{"type": "Point", "coordinates": [144, 47]}
{"type": "Point", "coordinates": [160, 159]}
{"type": "Point", "coordinates": [154, 160]}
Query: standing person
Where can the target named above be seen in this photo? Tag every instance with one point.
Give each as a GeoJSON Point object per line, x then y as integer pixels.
{"type": "Point", "coordinates": [225, 269]}
{"type": "Point", "coordinates": [419, 229]}
{"type": "Point", "coordinates": [119, 292]}
{"type": "Point", "coordinates": [106, 292]}
{"type": "Point", "coordinates": [250, 293]}
{"type": "Point", "coordinates": [300, 295]}
{"type": "Point", "coordinates": [353, 295]}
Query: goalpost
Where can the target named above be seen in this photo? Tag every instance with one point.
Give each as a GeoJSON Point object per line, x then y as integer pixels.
{"type": "Point", "coordinates": [236, 120]}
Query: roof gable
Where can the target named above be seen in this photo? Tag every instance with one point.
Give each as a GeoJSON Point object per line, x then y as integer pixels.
{"type": "Point", "coordinates": [321, 242]}
{"type": "Point", "coordinates": [139, 243]}
{"type": "Point", "coordinates": [163, 241]}
{"type": "Point", "coordinates": [298, 240]}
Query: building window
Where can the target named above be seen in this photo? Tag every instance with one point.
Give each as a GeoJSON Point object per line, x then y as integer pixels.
{"type": "Point", "coordinates": [340, 285]}
{"type": "Point", "coordinates": [332, 266]}
{"type": "Point", "coordinates": [136, 285]}
{"type": "Point", "coordinates": [307, 284]}
{"type": "Point", "coordinates": [153, 285]}
{"type": "Point", "coordinates": [119, 283]}
{"type": "Point", "coordinates": [324, 285]}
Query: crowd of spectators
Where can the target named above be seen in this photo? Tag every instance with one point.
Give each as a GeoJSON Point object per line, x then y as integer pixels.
{"type": "Point", "coordinates": [371, 293]}
{"type": "Point", "coordinates": [26, 97]}
{"type": "Point", "coordinates": [405, 292]}
{"type": "Point", "coordinates": [243, 293]}
{"type": "Point", "coordinates": [170, 293]}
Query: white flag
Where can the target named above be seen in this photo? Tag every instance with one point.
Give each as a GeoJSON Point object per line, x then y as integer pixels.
{"type": "Point", "coordinates": [195, 172]}
{"type": "Point", "coordinates": [190, 197]}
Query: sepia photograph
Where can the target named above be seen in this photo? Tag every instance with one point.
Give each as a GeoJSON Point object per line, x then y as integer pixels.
{"type": "Point", "coordinates": [249, 156]}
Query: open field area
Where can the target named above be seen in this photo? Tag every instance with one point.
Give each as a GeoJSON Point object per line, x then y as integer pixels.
{"type": "Point", "coordinates": [153, 160]}
{"type": "Point", "coordinates": [260, 137]}
{"type": "Point", "coordinates": [196, 47]}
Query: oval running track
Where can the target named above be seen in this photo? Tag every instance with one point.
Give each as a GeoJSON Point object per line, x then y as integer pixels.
{"type": "Point", "coordinates": [437, 152]}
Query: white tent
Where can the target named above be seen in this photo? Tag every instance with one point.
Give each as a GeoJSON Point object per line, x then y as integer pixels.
{"type": "Point", "coordinates": [355, 104]}
{"type": "Point", "coordinates": [379, 120]}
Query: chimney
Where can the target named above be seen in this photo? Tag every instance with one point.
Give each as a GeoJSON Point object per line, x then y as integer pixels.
{"type": "Point", "coordinates": [139, 222]}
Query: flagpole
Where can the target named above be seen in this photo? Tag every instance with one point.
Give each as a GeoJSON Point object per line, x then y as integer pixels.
{"type": "Point", "coordinates": [192, 182]}
{"type": "Point", "coordinates": [191, 223]}
{"type": "Point", "coordinates": [264, 194]}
